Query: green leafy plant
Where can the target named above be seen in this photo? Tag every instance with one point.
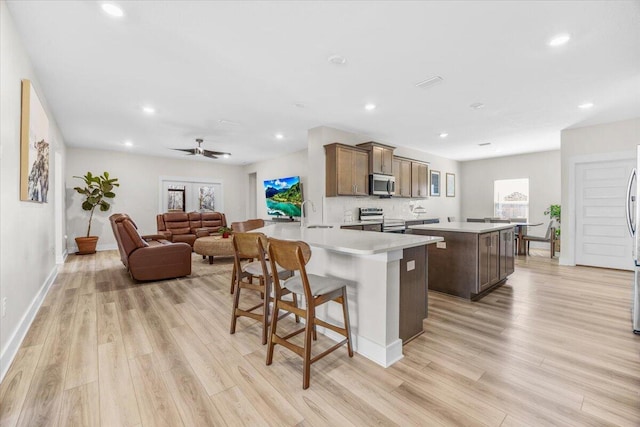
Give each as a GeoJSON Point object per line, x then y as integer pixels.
{"type": "Point", "coordinates": [554, 212]}
{"type": "Point", "coordinates": [96, 189]}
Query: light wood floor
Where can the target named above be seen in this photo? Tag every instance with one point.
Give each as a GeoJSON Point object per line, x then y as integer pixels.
{"type": "Point", "coordinates": [552, 347]}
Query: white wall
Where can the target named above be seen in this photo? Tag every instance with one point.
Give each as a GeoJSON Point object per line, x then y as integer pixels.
{"type": "Point", "coordinates": [139, 191]}
{"type": "Point", "coordinates": [333, 208]}
{"type": "Point", "coordinates": [542, 169]}
{"type": "Point", "coordinates": [279, 167]}
{"type": "Point", "coordinates": [27, 230]}
{"type": "Point", "coordinates": [610, 141]}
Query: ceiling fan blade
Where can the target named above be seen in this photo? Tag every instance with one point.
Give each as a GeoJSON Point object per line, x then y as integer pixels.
{"type": "Point", "coordinates": [209, 153]}
{"type": "Point", "coordinates": [187, 150]}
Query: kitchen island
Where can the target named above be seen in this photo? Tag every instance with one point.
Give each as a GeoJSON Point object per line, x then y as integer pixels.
{"type": "Point", "coordinates": [474, 257]}
{"type": "Point", "coordinates": [387, 287]}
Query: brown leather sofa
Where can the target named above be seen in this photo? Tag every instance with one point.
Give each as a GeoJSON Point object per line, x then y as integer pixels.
{"type": "Point", "coordinates": [149, 257]}
{"type": "Point", "coordinates": [187, 227]}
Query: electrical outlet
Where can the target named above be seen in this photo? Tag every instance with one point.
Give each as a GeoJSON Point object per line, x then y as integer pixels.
{"type": "Point", "coordinates": [4, 306]}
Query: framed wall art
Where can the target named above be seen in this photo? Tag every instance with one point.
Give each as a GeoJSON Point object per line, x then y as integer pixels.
{"type": "Point", "coordinates": [451, 185]}
{"type": "Point", "coordinates": [435, 183]}
{"type": "Point", "coordinates": [34, 147]}
{"type": "Point", "coordinates": [175, 202]}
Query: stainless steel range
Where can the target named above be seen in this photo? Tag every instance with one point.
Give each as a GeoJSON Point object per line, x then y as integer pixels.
{"type": "Point", "coordinates": [389, 225]}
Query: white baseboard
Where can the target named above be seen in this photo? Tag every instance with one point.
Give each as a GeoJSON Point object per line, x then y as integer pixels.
{"type": "Point", "coordinates": [62, 258]}
{"type": "Point", "coordinates": [108, 247]}
{"type": "Point", "coordinates": [11, 348]}
{"type": "Point", "coordinates": [383, 356]}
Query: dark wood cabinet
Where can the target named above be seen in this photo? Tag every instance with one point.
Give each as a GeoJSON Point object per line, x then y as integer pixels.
{"type": "Point", "coordinates": [488, 260]}
{"type": "Point", "coordinates": [413, 292]}
{"type": "Point", "coordinates": [507, 253]}
{"type": "Point", "coordinates": [467, 264]}
{"type": "Point", "coordinates": [372, 227]}
{"type": "Point", "coordinates": [347, 171]}
{"type": "Point", "coordinates": [419, 180]}
{"type": "Point", "coordinates": [380, 157]}
{"type": "Point", "coordinates": [402, 174]}
{"type": "Point", "coordinates": [363, 227]}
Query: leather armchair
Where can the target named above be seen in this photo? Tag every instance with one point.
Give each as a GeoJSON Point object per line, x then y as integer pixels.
{"type": "Point", "coordinates": [149, 257]}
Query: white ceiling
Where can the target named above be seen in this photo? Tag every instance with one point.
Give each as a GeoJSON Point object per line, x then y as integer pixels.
{"type": "Point", "coordinates": [233, 72]}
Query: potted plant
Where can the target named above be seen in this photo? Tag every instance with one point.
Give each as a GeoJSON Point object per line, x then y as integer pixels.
{"type": "Point", "coordinates": [96, 189]}
{"type": "Point", "coordinates": [554, 212]}
{"type": "Point", "coordinates": [225, 231]}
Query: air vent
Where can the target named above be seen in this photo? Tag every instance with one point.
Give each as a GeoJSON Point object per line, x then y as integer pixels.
{"type": "Point", "coordinates": [429, 82]}
{"type": "Point", "coordinates": [484, 144]}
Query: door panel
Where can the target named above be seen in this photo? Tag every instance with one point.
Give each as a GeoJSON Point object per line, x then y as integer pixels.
{"type": "Point", "coordinates": [602, 239]}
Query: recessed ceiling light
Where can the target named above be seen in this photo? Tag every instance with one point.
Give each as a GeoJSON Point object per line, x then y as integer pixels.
{"type": "Point", "coordinates": [148, 109]}
{"type": "Point", "coordinates": [337, 60]}
{"type": "Point", "coordinates": [128, 144]}
{"type": "Point", "coordinates": [559, 40]}
{"type": "Point", "coordinates": [228, 122]}
{"type": "Point", "coordinates": [444, 135]}
{"type": "Point", "coordinates": [585, 106]}
{"type": "Point", "coordinates": [477, 105]}
{"type": "Point", "coordinates": [279, 136]}
{"type": "Point", "coordinates": [226, 155]}
{"type": "Point", "coordinates": [370, 107]}
{"type": "Point", "coordinates": [429, 82]}
{"type": "Point", "coordinates": [112, 9]}
{"type": "Point", "coordinates": [484, 144]}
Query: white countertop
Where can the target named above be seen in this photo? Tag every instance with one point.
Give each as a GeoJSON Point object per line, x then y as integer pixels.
{"type": "Point", "coordinates": [348, 241]}
{"type": "Point", "coordinates": [463, 227]}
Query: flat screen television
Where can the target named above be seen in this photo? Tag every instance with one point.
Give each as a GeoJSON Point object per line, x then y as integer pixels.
{"type": "Point", "coordinates": [283, 196]}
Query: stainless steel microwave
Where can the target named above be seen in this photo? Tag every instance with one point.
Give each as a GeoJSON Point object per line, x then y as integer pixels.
{"type": "Point", "coordinates": [382, 185]}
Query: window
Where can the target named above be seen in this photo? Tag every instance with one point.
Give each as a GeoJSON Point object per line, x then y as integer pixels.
{"type": "Point", "coordinates": [511, 198]}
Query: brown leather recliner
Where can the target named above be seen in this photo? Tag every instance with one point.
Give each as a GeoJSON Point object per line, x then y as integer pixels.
{"type": "Point", "coordinates": [149, 257]}
{"type": "Point", "coordinates": [187, 227]}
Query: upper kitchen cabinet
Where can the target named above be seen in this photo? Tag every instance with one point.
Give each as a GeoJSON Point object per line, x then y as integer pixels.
{"type": "Point", "coordinates": [347, 170]}
{"type": "Point", "coordinates": [419, 180]}
{"type": "Point", "coordinates": [402, 173]}
{"type": "Point", "coordinates": [380, 157]}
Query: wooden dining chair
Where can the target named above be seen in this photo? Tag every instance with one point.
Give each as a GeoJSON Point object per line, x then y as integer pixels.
{"type": "Point", "coordinates": [248, 225]}
{"type": "Point", "coordinates": [251, 247]}
{"type": "Point", "coordinates": [550, 236]}
{"type": "Point", "coordinates": [317, 290]}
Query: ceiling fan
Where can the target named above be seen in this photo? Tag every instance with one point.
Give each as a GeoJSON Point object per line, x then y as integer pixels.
{"type": "Point", "coordinates": [199, 151]}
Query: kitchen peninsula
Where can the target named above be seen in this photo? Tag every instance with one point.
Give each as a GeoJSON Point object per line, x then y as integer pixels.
{"type": "Point", "coordinates": [387, 288]}
{"type": "Point", "coordinates": [474, 257]}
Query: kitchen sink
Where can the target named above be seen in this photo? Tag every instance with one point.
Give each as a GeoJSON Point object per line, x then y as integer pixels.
{"type": "Point", "coordinates": [319, 226]}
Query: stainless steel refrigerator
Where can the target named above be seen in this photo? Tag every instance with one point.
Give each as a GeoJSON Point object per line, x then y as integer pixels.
{"type": "Point", "coordinates": [633, 215]}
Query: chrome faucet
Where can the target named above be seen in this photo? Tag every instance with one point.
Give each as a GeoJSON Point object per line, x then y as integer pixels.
{"type": "Point", "coordinates": [302, 211]}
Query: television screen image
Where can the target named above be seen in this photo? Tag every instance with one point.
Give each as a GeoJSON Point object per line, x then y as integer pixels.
{"type": "Point", "coordinates": [284, 196]}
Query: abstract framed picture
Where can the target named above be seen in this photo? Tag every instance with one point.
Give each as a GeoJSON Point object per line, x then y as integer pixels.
{"type": "Point", "coordinates": [451, 185]}
{"type": "Point", "coordinates": [435, 183]}
{"type": "Point", "coordinates": [175, 201]}
{"type": "Point", "coordinates": [34, 147]}
{"type": "Point", "coordinates": [207, 199]}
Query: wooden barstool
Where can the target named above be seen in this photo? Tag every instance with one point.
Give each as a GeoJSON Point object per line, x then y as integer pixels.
{"type": "Point", "coordinates": [243, 227]}
{"type": "Point", "coordinates": [250, 246]}
{"type": "Point", "coordinates": [317, 290]}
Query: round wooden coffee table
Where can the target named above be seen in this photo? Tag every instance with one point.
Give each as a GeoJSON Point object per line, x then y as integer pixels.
{"type": "Point", "coordinates": [212, 246]}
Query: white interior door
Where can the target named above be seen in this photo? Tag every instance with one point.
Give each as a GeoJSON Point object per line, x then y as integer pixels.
{"type": "Point", "coordinates": [602, 239]}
